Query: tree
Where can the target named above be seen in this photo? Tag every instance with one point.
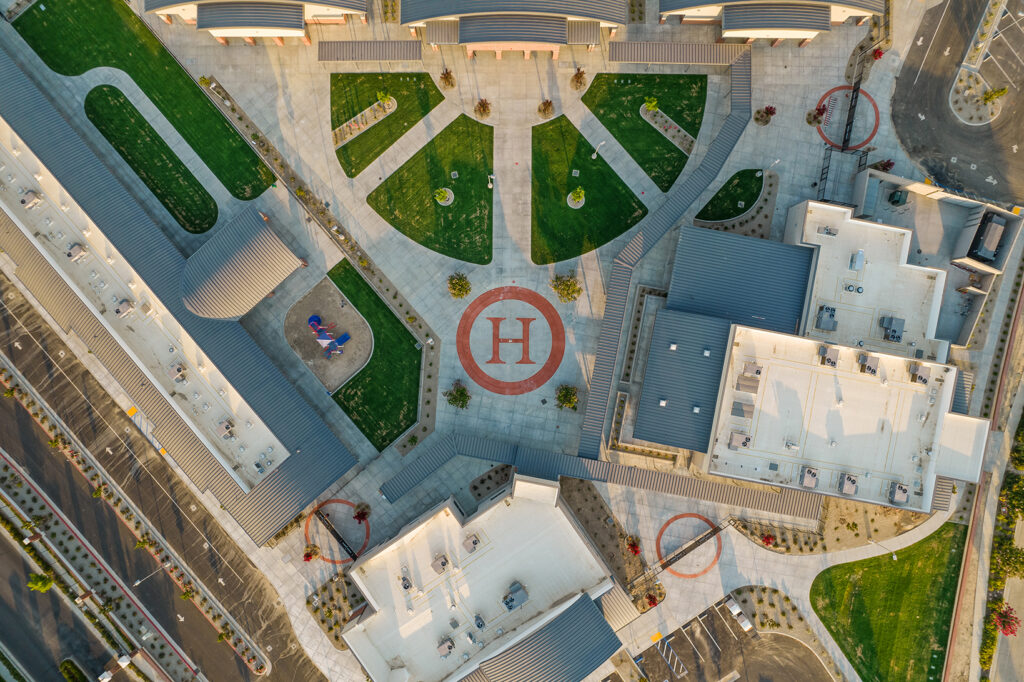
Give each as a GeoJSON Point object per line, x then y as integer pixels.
{"type": "Point", "coordinates": [1010, 559]}
{"type": "Point", "coordinates": [440, 195]}
{"type": "Point", "coordinates": [546, 109]}
{"type": "Point", "coordinates": [579, 79]}
{"type": "Point", "coordinates": [577, 194]}
{"type": "Point", "coordinates": [9, 393]}
{"type": "Point", "coordinates": [567, 287]}
{"type": "Point", "coordinates": [458, 395]}
{"type": "Point", "coordinates": [1012, 495]}
{"type": "Point", "coordinates": [362, 513]}
{"type": "Point", "coordinates": [566, 397]}
{"type": "Point", "coordinates": [651, 103]}
{"type": "Point", "coordinates": [458, 285]}
{"type": "Point", "coordinates": [992, 95]}
{"type": "Point", "coordinates": [39, 582]}
{"type": "Point", "coordinates": [447, 79]}
{"type": "Point", "coordinates": [482, 109]}
{"type": "Point", "coordinates": [204, 81]}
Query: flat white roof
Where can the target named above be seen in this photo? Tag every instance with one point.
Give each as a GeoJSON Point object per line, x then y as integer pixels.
{"type": "Point", "coordinates": [861, 277]}
{"type": "Point", "coordinates": [882, 428]}
{"type": "Point", "coordinates": [525, 537]}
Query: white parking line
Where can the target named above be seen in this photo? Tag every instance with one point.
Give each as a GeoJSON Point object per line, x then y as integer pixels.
{"type": "Point", "coordinates": [683, 630]}
{"type": "Point", "coordinates": [928, 49]}
{"type": "Point", "coordinates": [1010, 45]}
{"type": "Point", "coordinates": [726, 621]}
{"type": "Point", "coordinates": [671, 657]}
{"type": "Point", "coordinates": [999, 66]}
{"type": "Point", "coordinates": [709, 633]}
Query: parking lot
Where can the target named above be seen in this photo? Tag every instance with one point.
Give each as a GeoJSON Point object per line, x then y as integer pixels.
{"type": "Point", "coordinates": [713, 647]}
{"type": "Point", "coordinates": [1004, 63]}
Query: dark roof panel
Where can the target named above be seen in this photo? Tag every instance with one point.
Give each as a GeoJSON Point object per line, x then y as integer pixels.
{"type": "Point", "coordinates": [513, 28]}
{"type": "Point", "coordinates": [787, 16]}
{"type": "Point", "coordinates": [872, 6]}
{"type": "Point", "coordinates": [684, 377]}
{"type": "Point", "coordinates": [358, 6]}
{"type": "Point", "coordinates": [214, 15]}
{"type": "Point", "coordinates": [369, 50]}
{"type": "Point", "coordinates": [611, 11]}
{"type": "Point", "coordinates": [747, 281]}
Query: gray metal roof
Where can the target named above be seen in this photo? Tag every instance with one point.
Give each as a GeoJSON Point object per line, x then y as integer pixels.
{"type": "Point", "coordinates": [213, 15]}
{"type": "Point", "coordinates": [648, 232]}
{"type": "Point", "coordinates": [369, 50]}
{"type": "Point", "coordinates": [358, 6]}
{"type": "Point", "coordinates": [317, 457]}
{"type": "Point", "coordinates": [873, 6]}
{"type": "Point", "coordinates": [236, 268]}
{"type": "Point", "coordinates": [552, 466]}
{"type": "Point", "coordinates": [611, 11]}
{"type": "Point", "coordinates": [513, 28]}
{"type": "Point", "coordinates": [442, 32]}
{"type": "Point", "coordinates": [748, 281]}
{"type": "Point", "coordinates": [573, 645]}
{"type": "Point", "coordinates": [788, 15]}
{"type": "Point", "coordinates": [639, 52]}
{"type": "Point", "coordinates": [962, 392]}
{"type": "Point", "coordinates": [684, 378]}
{"type": "Point", "coordinates": [584, 33]}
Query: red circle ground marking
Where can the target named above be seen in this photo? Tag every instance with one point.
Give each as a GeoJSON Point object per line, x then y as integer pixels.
{"type": "Point", "coordinates": [718, 540]}
{"type": "Point", "coordinates": [863, 93]}
{"type": "Point", "coordinates": [477, 374]}
{"type": "Point", "coordinates": [337, 500]}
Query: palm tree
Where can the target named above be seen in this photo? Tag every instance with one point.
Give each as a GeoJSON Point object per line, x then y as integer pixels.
{"type": "Point", "coordinates": [39, 582]}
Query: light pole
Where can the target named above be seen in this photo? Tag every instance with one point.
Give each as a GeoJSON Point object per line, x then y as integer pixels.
{"type": "Point", "coordinates": [142, 580]}
{"type": "Point", "coordinates": [599, 145]}
{"type": "Point", "coordinates": [490, 181]}
{"type": "Point", "coordinates": [884, 547]}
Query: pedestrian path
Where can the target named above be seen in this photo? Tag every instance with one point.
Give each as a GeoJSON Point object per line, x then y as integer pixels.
{"type": "Point", "coordinates": [512, 194]}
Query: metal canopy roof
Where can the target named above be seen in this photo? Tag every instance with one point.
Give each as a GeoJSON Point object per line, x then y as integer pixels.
{"type": "Point", "coordinates": [789, 16]}
{"type": "Point", "coordinates": [873, 6]}
{"type": "Point", "coordinates": [513, 28]}
{"type": "Point", "coordinates": [236, 268]}
{"type": "Point", "coordinates": [369, 50]}
{"type": "Point", "coordinates": [214, 15]}
{"type": "Point", "coordinates": [679, 373]}
{"type": "Point", "coordinates": [358, 6]}
{"type": "Point", "coordinates": [611, 11]}
{"type": "Point", "coordinates": [317, 457]}
{"type": "Point", "coordinates": [747, 281]}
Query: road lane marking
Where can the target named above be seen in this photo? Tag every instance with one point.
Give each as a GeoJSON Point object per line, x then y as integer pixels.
{"type": "Point", "coordinates": [925, 57]}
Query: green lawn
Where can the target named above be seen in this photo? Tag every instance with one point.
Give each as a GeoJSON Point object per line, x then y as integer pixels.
{"type": "Point", "coordinates": [406, 198]}
{"type": "Point", "coordinates": [610, 208]}
{"type": "Point", "coordinates": [617, 103]}
{"type": "Point", "coordinates": [382, 398]}
{"type": "Point", "coordinates": [892, 618]}
{"type": "Point", "coordinates": [744, 185]}
{"type": "Point", "coordinates": [352, 93]}
{"type": "Point", "coordinates": [151, 158]}
{"type": "Point", "coordinates": [73, 36]}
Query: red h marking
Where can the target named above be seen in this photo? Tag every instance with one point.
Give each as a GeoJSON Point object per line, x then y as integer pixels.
{"type": "Point", "coordinates": [497, 340]}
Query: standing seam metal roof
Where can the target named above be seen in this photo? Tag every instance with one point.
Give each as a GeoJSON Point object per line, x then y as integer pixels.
{"type": "Point", "coordinates": [513, 28]}
{"type": "Point", "coordinates": [752, 282]}
{"type": "Point", "coordinates": [369, 50]}
{"type": "Point", "coordinates": [214, 15]}
{"type": "Point", "coordinates": [573, 645]}
{"type": "Point", "coordinates": [684, 378]}
{"type": "Point", "coordinates": [236, 268]}
{"type": "Point", "coordinates": [611, 11]}
{"type": "Point", "coordinates": [358, 6]}
{"type": "Point", "coordinates": [792, 16]}
{"type": "Point", "coordinates": [873, 6]}
{"type": "Point", "coordinates": [301, 477]}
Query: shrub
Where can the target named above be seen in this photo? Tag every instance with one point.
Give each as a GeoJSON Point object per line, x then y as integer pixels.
{"type": "Point", "coordinates": [458, 285]}
{"type": "Point", "coordinates": [567, 287]}
{"type": "Point", "coordinates": [579, 79]}
{"type": "Point", "coordinates": [440, 194]}
{"type": "Point", "coordinates": [651, 103]}
{"type": "Point", "coordinates": [458, 395]}
{"type": "Point", "coordinates": [447, 79]}
{"type": "Point", "coordinates": [482, 108]}
{"type": "Point", "coordinates": [546, 109]}
{"type": "Point", "coordinates": [204, 81]}
{"type": "Point", "coordinates": [992, 95]}
{"type": "Point", "coordinates": [566, 397]}
{"type": "Point", "coordinates": [577, 194]}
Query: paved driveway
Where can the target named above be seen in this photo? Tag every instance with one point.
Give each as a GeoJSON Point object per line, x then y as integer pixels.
{"type": "Point", "coordinates": [1004, 65]}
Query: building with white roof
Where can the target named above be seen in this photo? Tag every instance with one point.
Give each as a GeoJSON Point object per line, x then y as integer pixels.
{"type": "Point", "coordinates": [502, 595]}
{"type": "Point", "coordinates": [854, 422]}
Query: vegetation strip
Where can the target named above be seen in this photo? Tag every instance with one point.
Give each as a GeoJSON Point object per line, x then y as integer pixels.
{"type": "Point", "coordinates": [743, 187]}
{"type": "Point", "coordinates": [352, 93]}
{"type": "Point", "coordinates": [381, 399]}
{"type": "Point", "coordinates": [892, 618]}
{"type": "Point", "coordinates": [609, 207]}
{"type": "Point", "coordinates": [463, 229]}
{"type": "Point", "coordinates": [616, 100]}
{"type": "Point", "coordinates": [74, 36]}
{"type": "Point", "coordinates": [151, 158]}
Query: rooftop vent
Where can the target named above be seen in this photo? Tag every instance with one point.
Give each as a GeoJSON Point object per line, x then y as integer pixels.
{"type": "Point", "coordinates": [672, 346]}
{"type": "Point", "coordinates": [662, 402]}
{"type": "Point", "coordinates": [707, 352]}
{"type": "Point", "coordinates": [696, 409]}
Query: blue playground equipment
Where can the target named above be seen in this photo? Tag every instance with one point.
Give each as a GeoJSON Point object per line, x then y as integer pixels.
{"type": "Point", "coordinates": [330, 345]}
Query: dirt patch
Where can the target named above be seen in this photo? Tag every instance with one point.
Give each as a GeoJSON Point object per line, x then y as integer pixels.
{"type": "Point", "coordinates": [487, 483]}
{"type": "Point", "coordinates": [331, 305]}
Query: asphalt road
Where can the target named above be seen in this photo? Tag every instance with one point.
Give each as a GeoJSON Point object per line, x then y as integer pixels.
{"type": "Point", "coordinates": [946, 148]}
{"type": "Point", "coordinates": [713, 646]}
{"type": "Point", "coordinates": [164, 499]}
{"type": "Point", "coordinates": [40, 629]}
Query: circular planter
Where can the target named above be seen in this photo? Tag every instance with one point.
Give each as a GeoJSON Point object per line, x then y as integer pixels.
{"type": "Point", "coordinates": [761, 118]}
{"type": "Point", "coordinates": [575, 204]}
{"type": "Point", "coordinates": [449, 198]}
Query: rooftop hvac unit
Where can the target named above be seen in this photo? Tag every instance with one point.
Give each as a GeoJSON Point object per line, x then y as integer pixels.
{"type": "Point", "coordinates": [829, 355]}
{"type": "Point", "coordinates": [898, 493]}
{"type": "Point", "coordinates": [790, 445]}
{"type": "Point", "coordinates": [810, 478]}
{"type": "Point", "coordinates": [868, 364]}
{"type": "Point", "coordinates": [857, 260]}
{"type": "Point", "coordinates": [439, 564]}
{"type": "Point", "coordinates": [76, 252]}
{"type": "Point", "coordinates": [124, 308]}
{"type": "Point", "coordinates": [752, 369]}
{"type": "Point", "coordinates": [738, 440]}
{"type": "Point", "coordinates": [848, 484]}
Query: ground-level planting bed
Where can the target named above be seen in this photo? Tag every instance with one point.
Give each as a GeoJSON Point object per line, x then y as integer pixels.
{"type": "Point", "coordinates": [406, 200]}
{"type": "Point", "coordinates": [381, 399]}
{"type": "Point", "coordinates": [892, 618]}
{"type": "Point", "coordinates": [743, 187]}
{"type": "Point", "coordinates": [610, 208]}
{"type": "Point", "coordinates": [151, 158]}
{"type": "Point", "coordinates": [616, 98]}
{"type": "Point", "coordinates": [74, 36]}
{"type": "Point", "coordinates": [353, 93]}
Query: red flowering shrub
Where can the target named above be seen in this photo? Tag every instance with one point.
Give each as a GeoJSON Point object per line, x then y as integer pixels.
{"type": "Point", "coordinates": [770, 110]}
{"type": "Point", "coordinates": [821, 109]}
{"type": "Point", "coordinates": [768, 540]}
{"type": "Point", "coordinates": [652, 601]}
{"type": "Point", "coordinates": [877, 54]}
{"type": "Point", "coordinates": [1006, 620]}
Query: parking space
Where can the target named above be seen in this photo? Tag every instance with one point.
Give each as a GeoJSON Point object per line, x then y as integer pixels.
{"type": "Point", "coordinates": [1004, 62]}
{"type": "Point", "coordinates": [714, 647]}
